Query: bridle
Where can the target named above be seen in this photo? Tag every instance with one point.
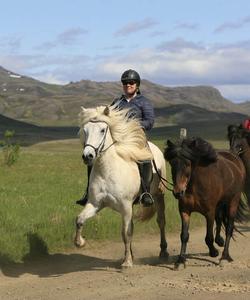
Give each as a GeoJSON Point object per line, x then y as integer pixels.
{"type": "Point", "coordinates": [232, 142]}
{"type": "Point", "coordinates": [100, 149]}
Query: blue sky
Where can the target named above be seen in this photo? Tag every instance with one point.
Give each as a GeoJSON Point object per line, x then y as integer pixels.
{"type": "Point", "coordinates": [172, 43]}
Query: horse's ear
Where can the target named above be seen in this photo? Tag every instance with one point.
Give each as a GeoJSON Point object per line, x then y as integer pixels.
{"type": "Point", "coordinates": [83, 109]}
{"type": "Point", "coordinates": [169, 143]}
{"type": "Point", "coordinates": [106, 111]}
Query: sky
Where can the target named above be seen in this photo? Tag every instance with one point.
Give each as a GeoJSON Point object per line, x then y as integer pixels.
{"type": "Point", "coordinates": [172, 43]}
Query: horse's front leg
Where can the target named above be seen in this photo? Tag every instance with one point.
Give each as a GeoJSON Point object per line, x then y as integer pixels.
{"type": "Point", "coordinates": [89, 211]}
{"type": "Point", "coordinates": [160, 205]}
{"type": "Point", "coordinates": [185, 219]}
{"type": "Point", "coordinates": [209, 239]}
{"type": "Point", "coordinates": [127, 233]}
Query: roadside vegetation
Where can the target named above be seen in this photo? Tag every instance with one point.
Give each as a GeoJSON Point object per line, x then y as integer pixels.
{"type": "Point", "coordinates": [38, 211]}
{"type": "Point", "coordinates": [11, 150]}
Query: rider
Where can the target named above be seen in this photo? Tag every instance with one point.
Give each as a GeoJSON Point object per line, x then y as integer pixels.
{"type": "Point", "coordinates": [246, 124]}
{"type": "Point", "coordinates": [141, 108]}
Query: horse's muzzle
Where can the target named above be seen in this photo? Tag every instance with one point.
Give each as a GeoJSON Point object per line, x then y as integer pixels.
{"type": "Point", "coordinates": [179, 195]}
{"type": "Point", "coordinates": [88, 159]}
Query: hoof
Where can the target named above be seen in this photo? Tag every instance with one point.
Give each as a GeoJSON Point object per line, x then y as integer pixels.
{"type": "Point", "coordinates": [214, 252]}
{"type": "Point", "coordinates": [179, 266]}
{"type": "Point", "coordinates": [219, 241]}
{"type": "Point", "coordinates": [163, 255]}
{"type": "Point", "coordinates": [80, 242]}
{"type": "Point", "coordinates": [127, 264]}
{"type": "Point", "coordinates": [225, 260]}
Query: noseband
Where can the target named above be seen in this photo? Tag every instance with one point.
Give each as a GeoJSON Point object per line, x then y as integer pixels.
{"type": "Point", "coordinates": [100, 149]}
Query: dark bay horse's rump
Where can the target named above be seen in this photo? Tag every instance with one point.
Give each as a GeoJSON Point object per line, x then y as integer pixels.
{"type": "Point", "coordinates": [234, 165]}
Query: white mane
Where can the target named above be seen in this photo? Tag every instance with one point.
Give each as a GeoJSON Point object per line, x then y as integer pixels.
{"type": "Point", "coordinates": [127, 132]}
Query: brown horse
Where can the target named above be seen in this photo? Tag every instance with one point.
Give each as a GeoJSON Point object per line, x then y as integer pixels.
{"type": "Point", "coordinates": [239, 139]}
{"type": "Point", "coordinates": [209, 182]}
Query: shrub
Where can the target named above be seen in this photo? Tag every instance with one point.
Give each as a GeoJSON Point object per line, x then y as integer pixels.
{"type": "Point", "coordinates": [11, 150]}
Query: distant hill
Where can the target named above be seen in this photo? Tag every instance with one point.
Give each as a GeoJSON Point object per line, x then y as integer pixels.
{"type": "Point", "coordinates": [26, 134]}
{"type": "Point", "coordinates": [32, 101]}
{"type": "Point", "coordinates": [245, 106]}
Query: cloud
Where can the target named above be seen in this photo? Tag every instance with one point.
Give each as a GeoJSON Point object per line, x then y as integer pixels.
{"type": "Point", "coordinates": [178, 44]}
{"type": "Point", "coordinates": [10, 44]}
{"type": "Point", "coordinates": [135, 27]}
{"type": "Point", "coordinates": [157, 33]}
{"type": "Point", "coordinates": [68, 37]}
{"type": "Point", "coordinates": [174, 62]}
{"type": "Point", "coordinates": [237, 92]}
{"type": "Point", "coordinates": [71, 36]}
{"type": "Point", "coordinates": [233, 25]}
{"type": "Point", "coordinates": [186, 26]}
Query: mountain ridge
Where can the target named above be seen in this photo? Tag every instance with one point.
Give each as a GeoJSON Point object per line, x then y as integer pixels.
{"type": "Point", "coordinates": [29, 100]}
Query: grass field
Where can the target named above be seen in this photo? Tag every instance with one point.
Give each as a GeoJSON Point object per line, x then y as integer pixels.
{"type": "Point", "coordinates": [38, 211]}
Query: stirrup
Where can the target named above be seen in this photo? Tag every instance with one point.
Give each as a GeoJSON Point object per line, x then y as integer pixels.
{"type": "Point", "coordinates": [148, 202]}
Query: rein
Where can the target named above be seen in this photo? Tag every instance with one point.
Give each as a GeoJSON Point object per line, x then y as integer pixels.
{"type": "Point", "coordinates": [162, 179]}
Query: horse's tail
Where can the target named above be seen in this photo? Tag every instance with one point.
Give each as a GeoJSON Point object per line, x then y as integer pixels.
{"type": "Point", "coordinates": [243, 212]}
{"type": "Point", "coordinates": [144, 214]}
{"type": "Point", "coordinates": [247, 190]}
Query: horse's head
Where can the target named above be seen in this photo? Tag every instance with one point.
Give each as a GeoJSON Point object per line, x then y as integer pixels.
{"type": "Point", "coordinates": [239, 138]}
{"type": "Point", "coordinates": [180, 163]}
{"type": "Point", "coordinates": [95, 136]}
{"type": "Point", "coordinates": [183, 157]}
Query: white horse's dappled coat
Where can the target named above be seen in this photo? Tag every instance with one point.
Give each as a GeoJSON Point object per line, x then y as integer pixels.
{"type": "Point", "coordinates": [113, 144]}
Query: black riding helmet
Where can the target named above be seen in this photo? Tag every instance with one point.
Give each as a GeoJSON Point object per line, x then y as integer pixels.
{"type": "Point", "coordinates": [129, 75]}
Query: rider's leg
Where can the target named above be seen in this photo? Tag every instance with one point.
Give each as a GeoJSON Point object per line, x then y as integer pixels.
{"type": "Point", "coordinates": [146, 173]}
{"type": "Point", "coordinates": [84, 198]}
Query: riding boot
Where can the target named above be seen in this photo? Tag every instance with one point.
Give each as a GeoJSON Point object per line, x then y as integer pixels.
{"type": "Point", "coordinates": [84, 198]}
{"type": "Point", "coordinates": [146, 173]}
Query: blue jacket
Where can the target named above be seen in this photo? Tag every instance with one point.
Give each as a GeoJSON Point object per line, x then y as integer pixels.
{"type": "Point", "coordinates": [139, 107]}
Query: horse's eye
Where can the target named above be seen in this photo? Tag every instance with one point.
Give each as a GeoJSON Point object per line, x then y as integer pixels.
{"type": "Point", "coordinates": [103, 131]}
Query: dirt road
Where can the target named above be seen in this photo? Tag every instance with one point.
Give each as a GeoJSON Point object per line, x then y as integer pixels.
{"type": "Point", "coordinates": [94, 273]}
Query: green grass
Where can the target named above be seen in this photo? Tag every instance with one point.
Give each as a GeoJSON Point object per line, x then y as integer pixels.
{"type": "Point", "coordinates": [37, 198]}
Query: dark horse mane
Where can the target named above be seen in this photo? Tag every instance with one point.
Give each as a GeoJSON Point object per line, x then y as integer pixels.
{"type": "Point", "coordinates": [238, 131]}
{"type": "Point", "coordinates": [195, 149]}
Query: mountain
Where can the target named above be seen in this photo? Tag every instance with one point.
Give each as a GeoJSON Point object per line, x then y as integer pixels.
{"type": "Point", "coordinates": [245, 106]}
{"type": "Point", "coordinates": [26, 134]}
{"type": "Point", "coordinates": [32, 101]}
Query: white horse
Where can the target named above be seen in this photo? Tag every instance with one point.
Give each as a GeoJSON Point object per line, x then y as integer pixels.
{"type": "Point", "coordinates": [113, 144]}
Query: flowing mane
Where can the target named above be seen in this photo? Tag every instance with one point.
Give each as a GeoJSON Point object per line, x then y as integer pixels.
{"type": "Point", "coordinates": [237, 131]}
{"type": "Point", "coordinates": [194, 149]}
{"type": "Point", "coordinates": [131, 143]}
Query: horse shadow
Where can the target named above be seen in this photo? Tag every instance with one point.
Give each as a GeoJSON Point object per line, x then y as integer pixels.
{"type": "Point", "coordinates": [243, 228]}
{"type": "Point", "coordinates": [197, 259]}
{"type": "Point", "coordinates": [39, 262]}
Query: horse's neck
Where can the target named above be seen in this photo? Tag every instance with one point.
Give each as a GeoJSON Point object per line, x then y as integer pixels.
{"type": "Point", "coordinates": [245, 156]}
{"type": "Point", "coordinates": [109, 160]}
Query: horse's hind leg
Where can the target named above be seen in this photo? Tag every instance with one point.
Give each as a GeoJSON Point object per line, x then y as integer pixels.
{"type": "Point", "coordinates": [230, 214]}
{"type": "Point", "coordinates": [160, 205]}
{"type": "Point", "coordinates": [213, 252]}
{"type": "Point", "coordinates": [218, 238]}
{"type": "Point", "coordinates": [88, 212]}
{"type": "Point", "coordinates": [232, 210]}
{"type": "Point", "coordinates": [127, 233]}
{"type": "Point", "coordinates": [229, 232]}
